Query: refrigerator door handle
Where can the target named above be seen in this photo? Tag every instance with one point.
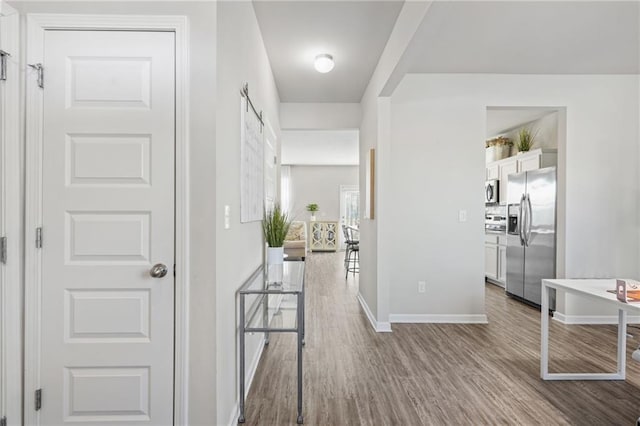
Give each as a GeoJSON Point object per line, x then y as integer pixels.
{"type": "Point", "coordinates": [527, 235]}
{"type": "Point", "coordinates": [521, 220]}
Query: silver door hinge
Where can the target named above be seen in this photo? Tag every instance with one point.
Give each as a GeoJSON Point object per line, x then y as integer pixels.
{"type": "Point", "coordinates": [3, 64]}
{"type": "Point", "coordinates": [3, 250]}
{"type": "Point", "coordinates": [38, 400]}
{"type": "Point", "coordinates": [40, 71]}
{"type": "Point", "coordinates": [3, 421]}
{"type": "Point", "coordinates": [38, 237]}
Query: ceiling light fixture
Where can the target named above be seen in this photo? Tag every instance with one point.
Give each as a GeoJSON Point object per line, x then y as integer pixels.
{"type": "Point", "coordinates": [324, 63]}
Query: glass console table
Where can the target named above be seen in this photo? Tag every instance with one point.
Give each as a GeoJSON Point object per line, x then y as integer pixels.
{"type": "Point", "coordinates": [272, 308]}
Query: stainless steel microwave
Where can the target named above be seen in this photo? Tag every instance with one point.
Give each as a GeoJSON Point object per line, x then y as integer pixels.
{"type": "Point", "coordinates": [492, 192]}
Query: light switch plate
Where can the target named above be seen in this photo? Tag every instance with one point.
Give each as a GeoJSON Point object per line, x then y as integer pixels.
{"type": "Point", "coordinates": [227, 217]}
{"type": "Point", "coordinates": [462, 216]}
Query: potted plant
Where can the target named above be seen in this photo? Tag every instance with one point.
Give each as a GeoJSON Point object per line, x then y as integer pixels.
{"type": "Point", "coordinates": [275, 227]}
{"type": "Point", "coordinates": [526, 138]}
{"type": "Point", "coordinates": [498, 148]}
{"type": "Point", "coordinates": [313, 208]}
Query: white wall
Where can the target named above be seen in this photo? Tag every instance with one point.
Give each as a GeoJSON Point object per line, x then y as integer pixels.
{"type": "Point", "coordinates": [374, 134]}
{"type": "Point", "coordinates": [239, 250]}
{"type": "Point", "coordinates": [202, 129]}
{"type": "Point", "coordinates": [437, 122]}
{"type": "Point", "coordinates": [320, 185]}
{"type": "Point", "coordinates": [319, 116]}
{"type": "Point", "coordinates": [435, 172]}
{"type": "Point", "coordinates": [320, 147]}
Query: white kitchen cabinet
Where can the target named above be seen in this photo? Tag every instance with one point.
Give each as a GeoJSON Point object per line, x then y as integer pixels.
{"type": "Point", "coordinates": [502, 264]}
{"type": "Point", "coordinates": [491, 261]}
{"type": "Point", "coordinates": [532, 160]}
{"type": "Point", "coordinates": [528, 162]}
{"type": "Point", "coordinates": [495, 258]}
{"type": "Point", "coordinates": [493, 172]}
{"type": "Point", "coordinates": [506, 168]}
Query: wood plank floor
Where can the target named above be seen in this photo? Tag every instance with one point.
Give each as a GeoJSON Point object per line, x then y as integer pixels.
{"type": "Point", "coordinates": [437, 374]}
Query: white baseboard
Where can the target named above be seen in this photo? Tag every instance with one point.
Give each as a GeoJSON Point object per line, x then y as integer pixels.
{"type": "Point", "coordinates": [253, 367]}
{"type": "Point", "coordinates": [378, 326]}
{"type": "Point", "coordinates": [592, 319]}
{"type": "Point", "coordinates": [438, 319]}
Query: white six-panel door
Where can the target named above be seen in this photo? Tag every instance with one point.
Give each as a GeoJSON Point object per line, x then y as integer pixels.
{"type": "Point", "coordinates": [108, 217]}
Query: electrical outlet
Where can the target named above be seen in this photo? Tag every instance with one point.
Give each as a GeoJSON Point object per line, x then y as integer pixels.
{"type": "Point", "coordinates": [462, 216]}
{"type": "Point", "coordinates": [422, 286]}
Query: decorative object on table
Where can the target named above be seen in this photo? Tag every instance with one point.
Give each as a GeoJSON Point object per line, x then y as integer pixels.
{"type": "Point", "coordinates": [275, 227]}
{"type": "Point", "coordinates": [526, 138]}
{"type": "Point", "coordinates": [627, 291]}
{"type": "Point", "coordinates": [498, 149]}
{"type": "Point", "coordinates": [313, 208]}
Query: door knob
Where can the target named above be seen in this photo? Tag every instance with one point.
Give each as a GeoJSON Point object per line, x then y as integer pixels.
{"type": "Point", "coordinates": [158, 270]}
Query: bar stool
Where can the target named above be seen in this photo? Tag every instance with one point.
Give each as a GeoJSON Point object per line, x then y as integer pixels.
{"type": "Point", "coordinates": [353, 261]}
{"type": "Point", "coordinates": [349, 241]}
{"type": "Point", "coordinates": [352, 253]}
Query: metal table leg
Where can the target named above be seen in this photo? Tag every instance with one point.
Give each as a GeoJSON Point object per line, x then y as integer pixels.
{"type": "Point", "coordinates": [265, 317]}
{"type": "Point", "coordinates": [622, 343]}
{"type": "Point", "coordinates": [544, 334]}
{"type": "Point", "coordinates": [241, 418]}
{"type": "Point", "coordinates": [300, 419]}
{"type": "Point", "coordinates": [544, 350]}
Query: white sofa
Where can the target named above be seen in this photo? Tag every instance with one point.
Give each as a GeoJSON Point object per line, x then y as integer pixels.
{"type": "Point", "coordinates": [295, 245]}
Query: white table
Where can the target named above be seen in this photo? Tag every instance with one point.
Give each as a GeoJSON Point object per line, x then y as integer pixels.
{"type": "Point", "coordinates": [594, 290]}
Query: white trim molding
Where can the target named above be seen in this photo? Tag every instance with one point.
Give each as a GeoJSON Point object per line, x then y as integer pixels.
{"type": "Point", "coordinates": [438, 319]}
{"type": "Point", "coordinates": [37, 24]}
{"type": "Point", "coordinates": [378, 326]}
{"type": "Point", "coordinates": [592, 319]}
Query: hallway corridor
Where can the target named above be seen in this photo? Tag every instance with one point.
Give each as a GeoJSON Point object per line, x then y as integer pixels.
{"type": "Point", "coordinates": [436, 374]}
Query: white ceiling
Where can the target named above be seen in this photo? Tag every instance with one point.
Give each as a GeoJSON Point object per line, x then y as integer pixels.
{"type": "Point", "coordinates": [525, 37]}
{"type": "Point", "coordinates": [320, 147]}
{"type": "Point", "coordinates": [354, 32]}
{"type": "Point", "coordinates": [502, 120]}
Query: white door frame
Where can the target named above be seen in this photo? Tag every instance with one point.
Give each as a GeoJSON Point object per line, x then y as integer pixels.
{"type": "Point", "coordinates": [11, 222]}
{"type": "Point", "coordinates": [37, 24]}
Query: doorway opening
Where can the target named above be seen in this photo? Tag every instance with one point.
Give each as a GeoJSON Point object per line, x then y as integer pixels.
{"type": "Point", "coordinates": [321, 167]}
{"type": "Point", "coordinates": [524, 198]}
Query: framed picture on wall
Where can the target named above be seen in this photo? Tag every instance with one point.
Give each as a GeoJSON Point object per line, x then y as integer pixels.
{"type": "Point", "coordinates": [369, 207]}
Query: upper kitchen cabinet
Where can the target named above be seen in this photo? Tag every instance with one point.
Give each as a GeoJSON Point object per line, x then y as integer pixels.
{"type": "Point", "coordinates": [530, 163]}
{"type": "Point", "coordinates": [522, 162]}
{"type": "Point", "coordinates": [537, 159]}
{"type": "Point", "coordinates": [505, 126]}
{"type": "Point", "coordinates": [506, 168]}
{"type": "Point", "coordinates": [493, 171]}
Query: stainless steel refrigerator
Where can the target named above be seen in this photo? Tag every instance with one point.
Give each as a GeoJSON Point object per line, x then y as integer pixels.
{"type": "Point", "coordinates": [531, 233]}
